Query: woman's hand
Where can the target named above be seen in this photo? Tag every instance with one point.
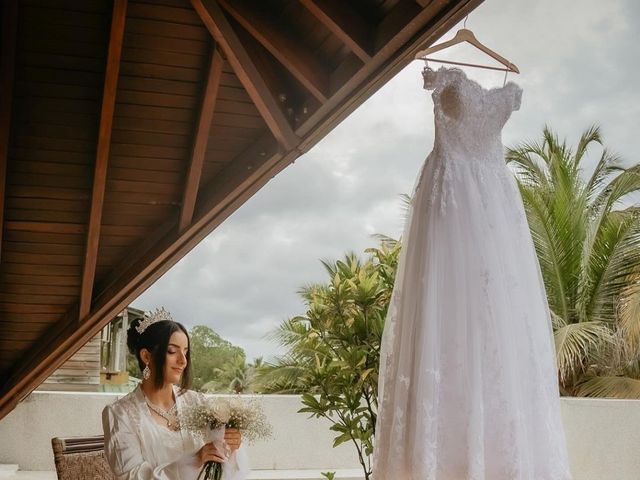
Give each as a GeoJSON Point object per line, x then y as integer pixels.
{"type": "Point", "coordinates": [210, 453]}
{"type": "Point", "coordinates": [232, 439]}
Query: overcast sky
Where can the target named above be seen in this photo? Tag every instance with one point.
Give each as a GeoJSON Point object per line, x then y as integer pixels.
{"type": "Point", "coordinates": [579, 64]}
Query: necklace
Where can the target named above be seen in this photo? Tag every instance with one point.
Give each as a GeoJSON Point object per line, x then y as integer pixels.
{"type": "Point", "coordinates": [170, 415]}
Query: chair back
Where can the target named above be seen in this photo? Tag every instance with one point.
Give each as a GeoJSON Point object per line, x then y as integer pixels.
{"type": "Point", "coordinates": [81, 458]}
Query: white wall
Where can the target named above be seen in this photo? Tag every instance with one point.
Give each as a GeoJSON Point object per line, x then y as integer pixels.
{"type": "Point", "coordinates": [297, 441]}
{"type": "Point", "coordinates": [603, 435]}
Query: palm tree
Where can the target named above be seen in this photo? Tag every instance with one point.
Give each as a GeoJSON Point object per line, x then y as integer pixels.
{"type": "Point", "coordinates": [588, 246]}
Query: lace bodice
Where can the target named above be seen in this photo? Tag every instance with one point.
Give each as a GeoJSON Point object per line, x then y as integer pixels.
{"type": "Point", "coordinates": [468, 117]}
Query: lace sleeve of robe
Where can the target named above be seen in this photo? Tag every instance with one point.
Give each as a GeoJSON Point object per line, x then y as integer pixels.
{"type": "Point", "coordinates": [124, 453]}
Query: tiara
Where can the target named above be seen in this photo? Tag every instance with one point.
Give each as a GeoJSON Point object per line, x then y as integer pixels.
{"type": "Point", "coordinates": [153, 317]}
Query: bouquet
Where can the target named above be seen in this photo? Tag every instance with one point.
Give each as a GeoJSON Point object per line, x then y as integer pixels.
{"type": "Point", "coordinates": [209, 420]}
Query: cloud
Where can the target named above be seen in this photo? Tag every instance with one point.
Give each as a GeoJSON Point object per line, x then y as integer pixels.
{"type": "Point", "coordinates": [578, 68]}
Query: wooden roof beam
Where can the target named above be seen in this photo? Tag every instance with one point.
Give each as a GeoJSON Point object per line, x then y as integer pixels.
{"type": "Point", "coordinates": [7, 66]}
{"type": "Point", "coordinates": [214, 19]}
{"type": "Point", "coordinates": [102, 155]}
{"type": "Point", "coordinates": [345, 23]}
{"type": "Point", "coordinates": [272, 35]}
{"type": "Point", "coordinates": [200, 140]}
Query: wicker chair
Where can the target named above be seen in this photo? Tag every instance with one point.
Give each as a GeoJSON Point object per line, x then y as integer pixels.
{"type": "Point", "coordinates": [80, 458]}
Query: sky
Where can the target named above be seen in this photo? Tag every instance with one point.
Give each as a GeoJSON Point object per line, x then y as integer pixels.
{"type": "Point", "coordinates": [579, 64]}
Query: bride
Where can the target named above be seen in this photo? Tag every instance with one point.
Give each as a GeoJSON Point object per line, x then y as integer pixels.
{"type": "Point", "coordinates": [143, 439]}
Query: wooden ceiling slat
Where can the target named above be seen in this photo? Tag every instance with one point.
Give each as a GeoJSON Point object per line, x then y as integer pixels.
{"type": "Point", "coordinates": [45, 248]}
{"type": "Point", "coordinates": [39, 237]}
{"type": "Point", "coordinates": [116, 186]}
{"type": "Point", "coordinates": [50, 168]}
{"type": "Point", "coordinates": [164, 13]}
{"type": "Point", "coordinates": [38, 299]}
{"type": "Point", "coordinates": [150, 138]}
{"type": "Point", "coordinates": [201, 137]}
{"type": "Point", "coordinates": [19, 289]}
{"type": "Point", "coordinates": [148, 151]}
{"type": "Point", "coordinates": [142, 163]}
{"type": "Point", "coordinates": [66, 62]}
{"type": "Point", "coordinates": [166, 72]}
{"type": "Point", "coordinates": [48, 192]}
{"type": "Point", "coordinates": [49, 104]}
{"type": "Point", "coordinates": [43, 180]}
{"type": "Point", "coordinates": [150, 112]}
{"type": "Point", "coordinates": [158, 85]}
{"type": "Point", "coordinates": [43, 215]}
{"type": "Point", "coordinates": [157, 99]}
{"type": "Point", "coordinates": [58, 76]}
{"type": "Point", "coordinates": [53, 143]}
{"type": "Point", "coordinates": [7, 68]}
{"type": "Point", "coordinates": [346, 24]}
{"type": "Point", "coordinates": [10, 307]}
{"type": "Point", "coordinates": [46, 227]}
{"type": "Point", "coordinates": [248, 74]}
{"type": "Point", "coordinates": [68, 132]}
{"type": "Point", "coordinates": [273, 35]}
{"type": "Point", "coordinates": [60, 279]}
{"type": "Point", "coordinates": [169, 59]}
{"type": "Point", "coordinates": [43, 259]}
{"type": "Point", "coordinates": [167, 29]}
{"type": "Point", "coordinates": [175, 45]}
{"type": "Point", "coordinates": [34, 322]}
{"type": "Point", "coordinates": [134, 174]}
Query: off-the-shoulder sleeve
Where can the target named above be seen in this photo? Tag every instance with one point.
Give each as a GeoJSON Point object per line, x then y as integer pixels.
{"type": "Point", "coordinates": [513, 94]}
{"type": "Point", "coordinates": [124, 455]}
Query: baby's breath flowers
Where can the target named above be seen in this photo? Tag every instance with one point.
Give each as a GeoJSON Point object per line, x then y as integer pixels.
{"type": "Point", "coordinates": [225, 412]}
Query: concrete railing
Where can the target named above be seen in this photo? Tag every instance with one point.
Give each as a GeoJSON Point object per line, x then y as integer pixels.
{"type": "Point", "coordinates": [602, 435]}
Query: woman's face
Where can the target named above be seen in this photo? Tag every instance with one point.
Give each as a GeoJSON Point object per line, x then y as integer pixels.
{"type": "Point", "coordinates": [176, 360]}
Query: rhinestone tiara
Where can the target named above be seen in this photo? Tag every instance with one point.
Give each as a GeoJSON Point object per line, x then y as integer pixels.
{"type": "Point", "coordinates": [153, 317]}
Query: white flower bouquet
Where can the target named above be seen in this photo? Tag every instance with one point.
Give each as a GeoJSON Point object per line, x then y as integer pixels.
{"type": "Point", "coordinates": [210, 419]}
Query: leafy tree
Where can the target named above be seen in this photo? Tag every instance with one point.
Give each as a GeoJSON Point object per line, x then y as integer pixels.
{"type": "Point", "coordinates": [333, 350]}
{"type": "Point", "coordinates": [588, 246]}
{"type": "Point", "coordinates": [235, 376]}
{"type": "Point", "coordinates": [210, 353]}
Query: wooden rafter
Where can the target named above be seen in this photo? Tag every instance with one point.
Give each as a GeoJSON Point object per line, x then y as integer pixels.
{"type": "Point", "coordinates": [345, 23]}
{"type": "Point", "coordinates": [392, 35]}
{"type": "Point", "coordinates": [214, 19]}
{"type": "Point", "coordinates": [272, 35]}
{"type": "Point", "coordinates": [102, 154]}
{"type": "Point", "coordinates": [200, 140]}
{"type": "Point", "coordinates": [7, 62]}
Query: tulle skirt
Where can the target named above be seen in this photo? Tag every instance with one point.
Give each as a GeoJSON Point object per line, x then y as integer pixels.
{"type": "Point", "coordinates": [468, 384]}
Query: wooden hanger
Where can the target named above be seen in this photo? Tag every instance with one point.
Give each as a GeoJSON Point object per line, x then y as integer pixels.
{"type": "Point", "coordinates": [466, 35]}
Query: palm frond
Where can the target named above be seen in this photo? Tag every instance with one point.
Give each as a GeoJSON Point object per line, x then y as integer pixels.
{"type": "Point", "coordinates": [614, 257]}
{"type": "Point", "coordinates": [590, 135]}
{"type": "Point", "coordinates": [629, 313]}
{"type": "Point", "coordinates": [575, 343]}
{"type": "Point", "coordinates": [609, 387]}
{"type": "Point", "coordinates": [527, 168]}
{"type": "Point", "coordinates": [604, 169]}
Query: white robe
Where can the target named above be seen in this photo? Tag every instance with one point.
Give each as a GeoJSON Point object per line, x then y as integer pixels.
{"type": "Point", "coordinates": [139, 448]}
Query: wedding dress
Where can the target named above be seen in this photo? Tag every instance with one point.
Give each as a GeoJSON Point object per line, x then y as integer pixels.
{"type": "Point", "coordinates": [139, 448]}
{"type": "Point", "coordinates": [468, 387]}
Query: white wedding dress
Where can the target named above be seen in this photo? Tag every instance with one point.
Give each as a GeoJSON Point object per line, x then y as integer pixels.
{"type": "Point", "coordinates": [468, 386]}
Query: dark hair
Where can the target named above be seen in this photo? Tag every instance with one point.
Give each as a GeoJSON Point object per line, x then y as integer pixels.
{"type": "Point", "coordinates": [155, 338]}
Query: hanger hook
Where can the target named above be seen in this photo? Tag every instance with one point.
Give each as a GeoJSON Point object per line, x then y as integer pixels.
{"type": "Point", "coordinates": [464, 25]}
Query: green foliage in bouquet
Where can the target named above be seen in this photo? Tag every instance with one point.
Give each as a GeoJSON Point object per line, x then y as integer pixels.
{"type": "Point", "coordinates": [333, 350]}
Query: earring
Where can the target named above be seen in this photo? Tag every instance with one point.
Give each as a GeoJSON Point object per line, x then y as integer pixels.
{"type": "Point", "coordinates": [146, 373]}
